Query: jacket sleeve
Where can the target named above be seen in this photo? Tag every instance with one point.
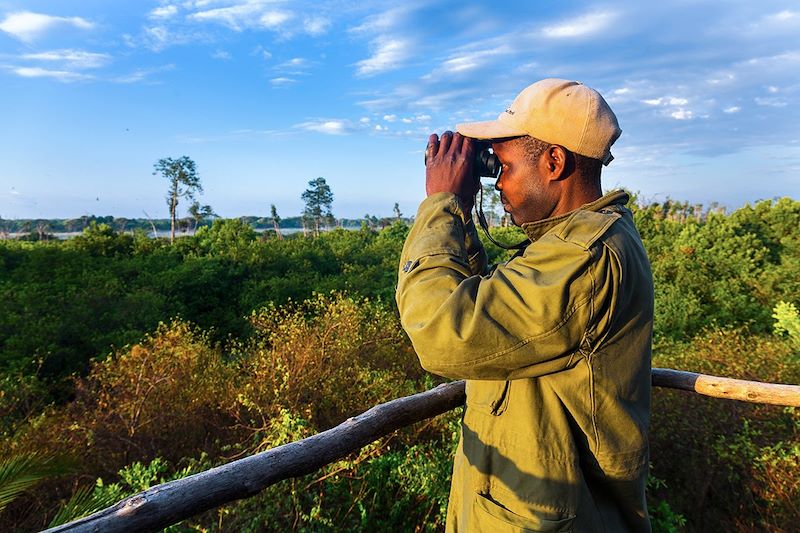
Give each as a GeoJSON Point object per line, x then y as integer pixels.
{"type": "Point", "coordinates": [527, 318]}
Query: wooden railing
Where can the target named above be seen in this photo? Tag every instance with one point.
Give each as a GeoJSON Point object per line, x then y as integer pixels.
{"type": "Point", "coordinates": [172, 502]}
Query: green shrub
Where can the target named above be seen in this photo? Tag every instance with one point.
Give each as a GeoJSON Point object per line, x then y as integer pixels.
{"type": "Point", "coordinates": [787, 322]}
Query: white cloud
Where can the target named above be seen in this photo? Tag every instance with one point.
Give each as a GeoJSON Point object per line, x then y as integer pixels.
{"type": "Point", "coordinates": [75, 59]}
{"type": "Point", "coordinates": [724, 78]}
{"type": "Point", "coordinates": [295, 62]}
{"type": "Point", "coordinates": [440, 99]}
{"type": "Point", "coordinates": [389, 118]}
{"type": "Point", "coordinates": [221, 54]}
{"type": "Point", "coordinates": [621, 91]}
{"type": "Point", "coordinates": [282, 81]}
{"type": "Point", "coordinates": [141, 74]}
{"type": "Point", "coordinates": [784, 16]}
{"type": "Point", "coordinates": [27, 26]}
{"type": "Point", "coordinates": [666, 100]}
{"type": "Point", "coordinates": [164, 34]}
{"type": "Point", "coordinates": [423, 118]}
{"type": "Point", "coordinates": [682, 114]}
{"type": "Point", "coordinates": [133, 77]}
{"type": "Point", "coordinates": [274, 19]}
{"type": "Point", "coordinates": [383, 22]}
{"type": "Point", "coordinates": [388, 54]}
{"type": "Point", "coordinates": [157, 37]}
{"type": "Point", "coordinates": [778, 61]}
{"type": "Point", "coordinates": [316, 25]}
{"type": "Point", "coordinates": [732, 109]}
{"type": "Point", "coordinates": [328, 127]}
{"type": "Point", "coordinates": [771, 102]}
{"type": "Point", "coordinates": [417, 99]}
{"type": "Point", "coordinates": [263, 52]}
{"type": "Point", "coordinates": [526, 67]}
{"type": "Point", "coordinates": [163, 12]}
{"type": "Point", "coordinates": [60, 75]}
{"type": "Point", "coordinates": [580, 26]}
{"type": "Point", "coordinates": [248, 14]}
{"type": "Point", "coordinates": [407, 120]}
{"type": "Point", "coordinates": [235, 17]}
{"type": "Point", "coordinates": [472, 60]}
{"type": "Point", "coordinates": [364, 120]}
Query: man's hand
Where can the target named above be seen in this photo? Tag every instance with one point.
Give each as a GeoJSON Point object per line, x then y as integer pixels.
{"type": "Point", "coordinates": [449, 167]}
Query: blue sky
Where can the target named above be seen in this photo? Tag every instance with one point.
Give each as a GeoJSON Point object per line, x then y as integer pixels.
{"type": "Point", "coordinates": [266, 95]}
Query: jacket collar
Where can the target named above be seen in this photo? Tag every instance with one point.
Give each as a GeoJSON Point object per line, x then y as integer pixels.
{"type": "Point", "coordinates": [534, 230]}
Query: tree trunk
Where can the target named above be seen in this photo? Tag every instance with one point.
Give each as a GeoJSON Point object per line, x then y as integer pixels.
{"type": "Point", "coordinates": [173, 210]}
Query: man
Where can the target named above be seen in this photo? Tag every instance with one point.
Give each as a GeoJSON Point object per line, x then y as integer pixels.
{"type": "Point", "coordinates": [555, 343]}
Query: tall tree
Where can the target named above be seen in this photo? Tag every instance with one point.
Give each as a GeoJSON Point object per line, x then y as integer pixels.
{"type": "Point", "coordinates": [276, 220]}
{"type": "Point", "coordinates": [199, 213]}
{"type": "Point", "coordinates": [319, 200]}
{"type": "Point", "coordinates": [152, 224]}
{"type": "Point", "coordinates": [183, 183]}
{"type": "Point", "coordinates": [491, 202]}
{"type": "Point", "coordinates": [42, 227]}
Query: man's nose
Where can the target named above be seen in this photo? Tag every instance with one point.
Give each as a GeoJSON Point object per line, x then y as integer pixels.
{"type": "Point", "coordinates": [498, 186]}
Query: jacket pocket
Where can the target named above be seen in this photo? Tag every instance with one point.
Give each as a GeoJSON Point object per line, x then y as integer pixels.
{"type": "Point", "coordinates": [491, 516]}
{"type": "Point", "coordinates": [490, 397]}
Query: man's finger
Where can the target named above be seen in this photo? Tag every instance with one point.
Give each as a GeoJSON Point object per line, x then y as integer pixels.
{"type": "Point", "coordinates": [432, 148]}
{"type": "Point", "coordinates": [458, 141]}
{"type": "Point", "coordinates": [444, 143]}
{"type": "Point", "coordinates": [469, 146]}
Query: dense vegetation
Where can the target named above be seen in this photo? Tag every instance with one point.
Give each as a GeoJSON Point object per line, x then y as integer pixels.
{"type": "Point", "coordinates": [126, 361]}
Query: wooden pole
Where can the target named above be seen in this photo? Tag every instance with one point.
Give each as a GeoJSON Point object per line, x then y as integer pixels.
{"type": "Point", "coordinates": [728, 388]}
{"type": "Point", "coordinates": [169, 503]}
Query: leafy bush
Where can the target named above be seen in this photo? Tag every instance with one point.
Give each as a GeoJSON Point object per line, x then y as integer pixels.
{"type": "Point", "coordinates": [787, 322]}
{"type": "Point", "coordinates": [100, 240]}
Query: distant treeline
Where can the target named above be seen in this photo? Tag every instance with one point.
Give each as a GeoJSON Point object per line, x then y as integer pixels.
{"type": "Point", "coordinates": [49, 226]}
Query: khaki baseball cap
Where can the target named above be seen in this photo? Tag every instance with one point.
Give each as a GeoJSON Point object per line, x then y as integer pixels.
{"type": "Point", "coordinates": [555, 111]}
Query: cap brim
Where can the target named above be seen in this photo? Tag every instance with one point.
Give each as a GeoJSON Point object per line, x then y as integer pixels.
{"type": "Point", "coordinates": [491, 129]}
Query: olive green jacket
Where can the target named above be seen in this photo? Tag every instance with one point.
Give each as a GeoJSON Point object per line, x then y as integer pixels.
{"type": "Point", "coordinates": [555, 348]}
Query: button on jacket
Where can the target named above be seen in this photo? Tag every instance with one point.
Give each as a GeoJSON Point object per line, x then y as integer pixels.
{"type": "Point", "coordinates": [555, 348]}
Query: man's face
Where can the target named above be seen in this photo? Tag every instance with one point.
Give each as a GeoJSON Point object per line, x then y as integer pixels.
{"type": "Point", "coordinates": [522, 188]}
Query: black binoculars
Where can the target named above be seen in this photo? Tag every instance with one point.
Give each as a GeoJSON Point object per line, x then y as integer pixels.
{"type": "Point", "coordinates": [486, 164]}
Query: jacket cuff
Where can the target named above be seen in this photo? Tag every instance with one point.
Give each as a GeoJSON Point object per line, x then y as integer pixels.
{"type": "Point", "coordinates": [443, 210]}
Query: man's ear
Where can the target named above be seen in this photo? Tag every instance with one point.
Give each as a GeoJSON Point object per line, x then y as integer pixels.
{"type": "Point", "coordinates": [557, 162]}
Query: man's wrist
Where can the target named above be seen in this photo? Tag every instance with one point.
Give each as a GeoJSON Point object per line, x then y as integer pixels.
{"type": "Point", "coordinates": [466, 206]}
